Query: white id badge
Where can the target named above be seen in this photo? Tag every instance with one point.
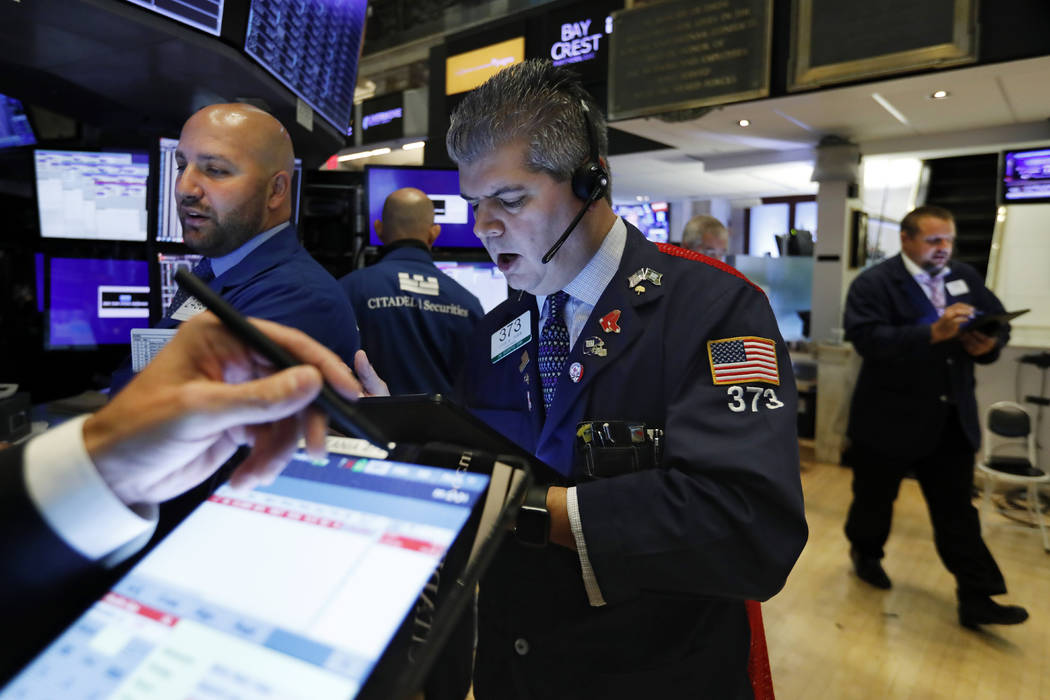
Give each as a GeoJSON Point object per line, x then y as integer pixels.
{"type": "Point", "coordinates": [190, 308]}
{"type": "Point", "coordinates": [511, 337]}
{"type": "Point", "coordinates": [957, 288]}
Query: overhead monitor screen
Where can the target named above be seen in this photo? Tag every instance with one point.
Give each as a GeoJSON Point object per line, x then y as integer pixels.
{"type": "Point", "coordinates": [205, 15]}
{"type": "Point", "coordinates": [291, 590]}
{"type": "Point", "coordinates": [312, 46]}
{"type": "Point", "coordinates": [169, 265]}
{"type": "Point", "coordinates": [1026, 176]}
{"type": "Point", "coordinates": [651, 218]}
{"type": "Point", "coordinates": [14, 125]}
{"type": "Point", "coordinates": [92, 195]}
{"type": "Point", "coordinates": [482, 279]}
{"type": "Point", "coordinates": [93, 302]}
{"type": "Point", "coordinates": [169, 228]}
{"type": "Point", "coordinates": [440, 184]}
{"type": "Point", "coordinates": [465, 71]}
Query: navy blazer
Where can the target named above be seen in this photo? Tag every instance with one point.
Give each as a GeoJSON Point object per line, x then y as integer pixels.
{"type": "Point", "coordinates": [676, 550]}
{"type": "Point", "coordinates": [415, 331]}
{"type": "Point", "coordinates": [907, 386]}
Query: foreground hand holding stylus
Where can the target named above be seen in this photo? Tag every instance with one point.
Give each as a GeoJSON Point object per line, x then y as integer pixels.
{"type": "Point", "coordinates": [206, 394]}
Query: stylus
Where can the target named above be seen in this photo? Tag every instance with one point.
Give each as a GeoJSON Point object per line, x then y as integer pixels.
{"type": "Point", "coordinates": [343, 414]}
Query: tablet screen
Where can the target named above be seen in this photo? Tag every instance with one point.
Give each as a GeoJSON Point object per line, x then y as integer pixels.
{"type": "Point", "coordinates": [291, 590]}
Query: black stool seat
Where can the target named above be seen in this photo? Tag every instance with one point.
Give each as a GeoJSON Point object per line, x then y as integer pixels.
{"type": "Point", "coordinates": [1017, 466]}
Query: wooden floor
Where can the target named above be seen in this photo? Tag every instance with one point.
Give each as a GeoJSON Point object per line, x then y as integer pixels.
{"type": "Point", "coordinates": [832, 636]}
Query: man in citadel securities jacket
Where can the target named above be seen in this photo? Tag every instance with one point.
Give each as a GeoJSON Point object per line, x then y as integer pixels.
{"type": "Point", "coordinates": [914, 407]}
{"type": "Point", "coordinates": [618, 583]}
{"type": "Point", "coordinates": [233, 191]}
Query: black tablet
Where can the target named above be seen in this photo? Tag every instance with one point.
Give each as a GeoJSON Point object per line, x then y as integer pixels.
{"type": "Point", "coordinates": [989, 324]}
{"type": "Point", "coordinates": [292, 590]}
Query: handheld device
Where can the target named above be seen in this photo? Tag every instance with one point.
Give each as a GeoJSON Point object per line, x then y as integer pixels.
{"type": "Point", "coordinates": [343, 414]}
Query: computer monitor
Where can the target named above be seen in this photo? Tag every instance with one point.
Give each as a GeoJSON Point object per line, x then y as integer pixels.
{"type": "Point", "coordinates": [169, 228]}
{"type": "Point", "coordinates": [14, 124]}
{"type": "Point", "coordinates": [93, 195]}
{"type": "Point", "coordinates": [1025, 177]}
{"type": "Point", "coordinates": [312, 46]}
{"type": "Point", "coordinates": [169, 264]}
{"type": "Point", "coordinates": [482, 279]}
{"type": "Point", "coordinates": [205, 15]}
{"type": "Point", "coordinates": [93, 302]}
{"type": "Point", "coordinates": [651, 218]}
{"type": "Point", "coordinates": [440, 184]}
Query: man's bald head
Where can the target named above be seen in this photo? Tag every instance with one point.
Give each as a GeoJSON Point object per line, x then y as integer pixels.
{"type": "Point", "coordinates": [235, 171]}
{"type": "Point", "coordinates": [407, 213]}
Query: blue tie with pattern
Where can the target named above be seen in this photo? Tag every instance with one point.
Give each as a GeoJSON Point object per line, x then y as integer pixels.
{"type": "Point", "coordinates": [203, 270]}
{"type": "Point", "coordinates": [554, 346]}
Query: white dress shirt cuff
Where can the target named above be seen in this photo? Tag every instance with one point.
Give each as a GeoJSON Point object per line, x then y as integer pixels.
{"type": "Point", "coordinates": [76, 503]}
{"type": "Point", "coordinates": [590, 582]}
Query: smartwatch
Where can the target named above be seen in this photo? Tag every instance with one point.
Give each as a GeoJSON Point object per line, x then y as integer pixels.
{"type": "Point", "coordinates": [533, 525]}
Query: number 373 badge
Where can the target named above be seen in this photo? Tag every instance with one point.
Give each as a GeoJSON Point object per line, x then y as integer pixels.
{"type": "Point", "coordinates": [746, 360]}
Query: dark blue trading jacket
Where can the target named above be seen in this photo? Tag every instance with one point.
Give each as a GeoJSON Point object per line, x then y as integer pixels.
{"type": "Point", "coordinates": [415, 320]}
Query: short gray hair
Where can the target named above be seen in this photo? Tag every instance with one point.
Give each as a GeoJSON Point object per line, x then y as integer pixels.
{"type": "Point", "coordinates": [533, 101]}
{"type": "Point", "coordinates": [699, 225]}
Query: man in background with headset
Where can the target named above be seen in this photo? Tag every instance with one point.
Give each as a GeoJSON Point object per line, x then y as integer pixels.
{"type": "Point", "coordinates": [659, 390]}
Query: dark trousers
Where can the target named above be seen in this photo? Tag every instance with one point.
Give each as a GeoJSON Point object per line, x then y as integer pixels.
{"type": "Point", "coordinates": [946, 479]}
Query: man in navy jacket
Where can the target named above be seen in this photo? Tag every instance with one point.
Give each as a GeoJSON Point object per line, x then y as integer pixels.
{"type": "Point", "coordinates": [234, 197]}
{"type": "Point", "coordinates": [619, 582]}
{"type": "Point", "coordinates": [414, 319]}
{"type": "Point", "coordinates": [914, 408]}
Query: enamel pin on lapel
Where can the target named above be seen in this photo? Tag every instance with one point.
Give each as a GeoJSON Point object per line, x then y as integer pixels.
{"type": "Point", "coordinates": [609, 321]}
{"type": "Point", "coordinates": [645, 274]}
{"type": "Point", "coordinates": [575, 372]}
{"type": "Point", "coordinates": [524, 361]}
{"type": "Point", "coordinates": [594, 346]}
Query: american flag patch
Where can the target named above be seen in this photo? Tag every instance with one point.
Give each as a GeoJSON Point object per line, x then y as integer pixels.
{"type": "Point", "coordinates": [744, 359]}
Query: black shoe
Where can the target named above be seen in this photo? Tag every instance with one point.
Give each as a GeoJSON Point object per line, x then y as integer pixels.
{"type": "Point", "coordinates": [982, 610]}
{"type": "Point", "coordinates": [870, 570]}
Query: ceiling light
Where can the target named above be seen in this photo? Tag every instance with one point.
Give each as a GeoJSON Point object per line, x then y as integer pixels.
{"type": "Point", "coordinates": [744, 123]}
{"type": "Point", "coordinates": [940, 94]}
{"type": "Point", "coordinates": [413, 146]}
{"type": "Point", "coordinates": [364, 154]}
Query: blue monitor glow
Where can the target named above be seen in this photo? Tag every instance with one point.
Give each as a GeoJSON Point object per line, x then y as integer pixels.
{"type": "Point", "coordinates": [14, 125]}
{"type": "Point", "coordinates": [169, 228]}
{"type": "Point", "coordinates": [482, 279]}
{"type": "Point", "coordinates": [205, 15]}
{"type": "Point", "coordinates": [440, 184]}
{"type": "Point", "coordinates": [1025, 177]}
{"type": "Point", "coordinates": [312, 46]}
{"type": "Point", "coordinates": [94, 302]}
{"type": "Point", "coordinates": [651, 218]}
{"type": "Point", "coordinates": [93, 195]}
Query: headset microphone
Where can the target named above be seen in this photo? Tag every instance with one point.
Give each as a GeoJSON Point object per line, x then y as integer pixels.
{"type": "Point", "coordinates": [590, 182]}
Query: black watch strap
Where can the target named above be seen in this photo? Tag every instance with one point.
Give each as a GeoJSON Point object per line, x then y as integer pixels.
{"type": "Point", "coordinates": [533, 524]}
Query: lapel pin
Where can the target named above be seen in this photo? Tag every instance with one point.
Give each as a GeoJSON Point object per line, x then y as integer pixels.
{"type": "Point", "coordinates": [609, 321]}
{"type": "Point", "coordinates": [635, 278]}
{"type": "Point", "coordinates": [575, 372]}
{"type": "Point", "coordinates": [528, 397]}
{"type": "Point", "coordinates": [524, 361]}
{"type": "Point", "coordinates": [639, 289]}
{"type": "Point", "coordinates": [594, 346]}
{"type": "Point", "coordinates": [653, 276]}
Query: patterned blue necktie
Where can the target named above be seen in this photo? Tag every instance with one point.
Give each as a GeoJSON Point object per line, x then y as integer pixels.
{"type": "Point", "coordinates": [203, 270]}
{"type": "Point", "coordinates": [554, 346]}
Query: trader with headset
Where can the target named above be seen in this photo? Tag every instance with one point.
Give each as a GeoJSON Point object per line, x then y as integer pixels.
{"type": "Point", "coordinates": [660, 392]}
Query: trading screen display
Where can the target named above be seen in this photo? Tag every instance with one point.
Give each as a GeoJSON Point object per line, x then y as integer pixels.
{"type": "Point", "coordinates": [1026, 176]}
{"type": "Point", "coordinates": [169, 265]}
{"type": "Point", "coordinates": [205, 15]}
{"type": "Point", "coordinates": [312, 46]}
{"type": "Point", "coordinates": [651, 218]}
{"type": "Point", "coordinates": [92, 195]}
{"type": "Point", "coordinates": [14, 125]}
{"type": "Point", "coordinates": [95, 302]}
{"type": "Point", "coordinates": [440, 184]}
{"type": "Point", "coordinates": [169, 228]}
{"type": "Point", "coordinates": [291, 590]}
{"type": "Point", "coordinates": [482, 279]}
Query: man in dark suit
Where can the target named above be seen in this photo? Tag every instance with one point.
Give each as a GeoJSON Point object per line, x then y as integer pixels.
{"type": "Point", "coordinates": [406, 307]}
{"type": "Point", "coordinates": [234, 197]}
{"type": "Point", "coordinates": [83, 496]}
{"type": "Point", "coordinates": [914, 408]}
{"type": "Point", "coordinates": [625, 578]}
